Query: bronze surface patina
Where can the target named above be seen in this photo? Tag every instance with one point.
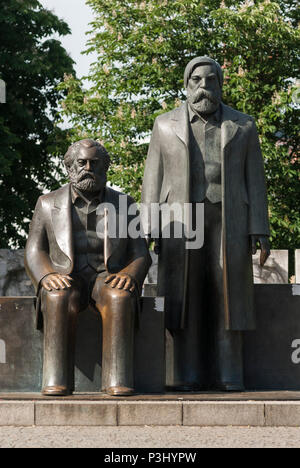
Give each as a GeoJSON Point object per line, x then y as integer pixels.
{"type": "Point", "coordinates": [73, 263]}
{"type": "Point", "coordinates": [206, 152]}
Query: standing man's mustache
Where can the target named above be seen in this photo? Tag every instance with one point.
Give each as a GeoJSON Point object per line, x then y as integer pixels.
{"type": "Point", "coordinates": [203, 94]}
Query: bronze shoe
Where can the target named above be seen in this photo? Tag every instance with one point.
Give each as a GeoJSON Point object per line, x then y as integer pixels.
{"type": "Point", "coordinates": [185, 387]}
{"type": "Point", "coordinates": [120, 391]}
{"type": "Point", "coordinates": [230, 387]}
{"type": "Point", "coordinates": [55, 390]}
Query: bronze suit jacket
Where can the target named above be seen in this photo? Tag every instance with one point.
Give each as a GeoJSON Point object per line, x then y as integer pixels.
{"type": "Point", "coordinates": [244, 209]}
{"type": "Point", "coordinates": [49, 248]}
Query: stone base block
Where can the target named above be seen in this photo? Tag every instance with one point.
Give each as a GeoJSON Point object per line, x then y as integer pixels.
{"type": "Point", "coordinates": [297, 266]}
{"type": "Point", "coordinates": [238, 413]}
{"type": "Point", "coordinates": [82, 413]}
{"type": "Point", "coordinates": [272, 351]}
{"type": "Point", "coordinates": [148, 413]}
{"type": "Point", "coordinates": [275, 270]}
{"type": "Point", "coordinates": [282, 413]}
{"type": "Point", "coordinates": [21, 348]}
{"type": "Point", "coordinates": [130, 412]}
{"type": "Point", "coordinates": [17, 413]}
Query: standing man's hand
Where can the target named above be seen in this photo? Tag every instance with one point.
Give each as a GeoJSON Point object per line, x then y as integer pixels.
{"type": "Point", "coordinates": [156, 243]}
{"type": "Point", "coordinates": [56, 281]}
{"type": "Point", "coordinates": [157, 246]}
{"type": "Point", "coordinates": [148, 240]}
{"type": "Point", "coordinates": [264, 243]}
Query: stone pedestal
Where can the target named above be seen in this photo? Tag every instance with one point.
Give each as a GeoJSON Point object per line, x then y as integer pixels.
{"type": "Point", "coordinates": [275, 270]}
{"type": "Point", "coordinates": [272, 351]}
{"type": "Point", "coordinates": [13, 278]}
{"type": "Point", "coordinates": [21, 348]}
{"type": "Point", "coordinates": [153, 270]}
{"type": "Point", "coordinates": [297, 265]}
{"type": "Point", "coordinates": [244, 409]}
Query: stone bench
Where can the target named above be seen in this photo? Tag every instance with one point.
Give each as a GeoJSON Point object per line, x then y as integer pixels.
{"type": "Point", "coordinates": [271, 353]}
{"type": "Point", "coordinates": [15, 282]}
{"type": "Point", "coordinates": [21, 348]}
{"type": "Point", "coordinates": [275, 270]}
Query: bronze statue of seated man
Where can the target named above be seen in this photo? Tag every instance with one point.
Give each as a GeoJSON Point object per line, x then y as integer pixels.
{"type": "Point", "coordinates": [73, 262]}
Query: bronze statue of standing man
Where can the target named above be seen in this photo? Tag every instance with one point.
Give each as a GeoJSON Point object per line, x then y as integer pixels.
{"type": "Point", "coordinates": [206, 152]}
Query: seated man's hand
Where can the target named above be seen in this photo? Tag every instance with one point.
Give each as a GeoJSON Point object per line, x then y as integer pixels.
{"type": "Point", "coordinates": [56, 281]}
{"type": "Point", "coordinates": [121, 281]}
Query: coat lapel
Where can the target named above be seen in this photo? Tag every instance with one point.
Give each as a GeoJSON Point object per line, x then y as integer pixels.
{"type": "Point", "coordinates": [62, 221]}
{"type": "Point", "coordinates": [229, 125]}
{"type": "Point", "coordinates": [180, 123]}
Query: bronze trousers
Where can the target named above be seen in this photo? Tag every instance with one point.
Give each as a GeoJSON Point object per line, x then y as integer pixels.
{"type": "Point", "coordinates": [205, 353]}
{"type": "Point", "coordinates": [60, 310]}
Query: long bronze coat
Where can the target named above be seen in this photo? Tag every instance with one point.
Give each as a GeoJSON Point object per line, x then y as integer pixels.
{"type": "Point", "coordinates": [244, 209]}
{"type": "Point", "coordinates": [49, 248]}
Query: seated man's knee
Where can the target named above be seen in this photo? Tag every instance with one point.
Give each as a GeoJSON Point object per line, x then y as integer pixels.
{"type": "Point", "coordinates": [109, 295]}
{"type": "Point", "coordinates": [69, 297]}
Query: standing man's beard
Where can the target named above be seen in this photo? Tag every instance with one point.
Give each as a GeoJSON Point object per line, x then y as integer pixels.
{"type": "Point", "coordinates": [204, 102]}
{"type": "Point", "coordinates": [87, 182]}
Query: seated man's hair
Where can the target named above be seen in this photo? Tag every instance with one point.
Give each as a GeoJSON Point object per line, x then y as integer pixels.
{"type": "Point", "coordinates": [74, 149]}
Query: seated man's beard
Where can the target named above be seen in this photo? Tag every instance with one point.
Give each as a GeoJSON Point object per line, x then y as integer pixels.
{"type": "Point", "coordinates": [87, 182]}
{"type": "Point", "coordinates": [204, 102]}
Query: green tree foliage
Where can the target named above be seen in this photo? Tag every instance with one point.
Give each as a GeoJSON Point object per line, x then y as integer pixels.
{"type": "Point", "coordinates": [32, 66]}
{"type": "Point", "coordinates": [143, 48]}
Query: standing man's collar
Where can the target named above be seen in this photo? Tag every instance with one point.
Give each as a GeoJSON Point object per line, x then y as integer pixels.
{"type": "Point", "coordinates": [216, 117]}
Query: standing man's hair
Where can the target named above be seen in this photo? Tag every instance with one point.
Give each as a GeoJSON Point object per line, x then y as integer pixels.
{"type": "Point", "coordinates": [196, 62]}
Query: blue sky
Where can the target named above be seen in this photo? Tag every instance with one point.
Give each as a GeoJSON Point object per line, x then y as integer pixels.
{"type": "Point", "coordinates": [78, 15]}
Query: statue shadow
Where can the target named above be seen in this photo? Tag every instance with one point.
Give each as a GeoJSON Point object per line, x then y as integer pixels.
{"type": "Point", "coordinates": [88, 354]}
{"type": "Point", "coordinates": [271, 272]}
